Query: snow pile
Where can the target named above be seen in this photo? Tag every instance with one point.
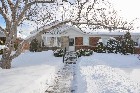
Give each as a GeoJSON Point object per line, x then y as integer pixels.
{"type": "Point", "coordinates": [109, 73]}
{"type": "Point", "coordinates": [30, 73]}
{"type": "Point", "coordinates": [100, 40]}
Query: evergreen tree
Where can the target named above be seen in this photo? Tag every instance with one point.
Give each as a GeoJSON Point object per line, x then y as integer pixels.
{"type": "Point", "coordinates": [34, 45]}
{"type": "Point", "coordinates": [100, 47]}
{"type": "Point", "coordinates": [112, 45]}
{"type": "Point", "coordinates": [127, 44]}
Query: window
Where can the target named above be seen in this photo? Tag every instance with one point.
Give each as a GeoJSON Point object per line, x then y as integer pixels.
{"type": "Point", "coordinates": [71, 41]}
{"type": "Point", "coordinates": [85, 40]}
{"type": "Point", "coordinates": [52, 42]}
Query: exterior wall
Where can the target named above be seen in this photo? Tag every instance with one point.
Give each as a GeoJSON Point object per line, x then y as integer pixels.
{"type": "Point", "coordinates": [93, 41]}
{"type": "Point", "coordinates": [85, 47]}
{"type": "Point", "coordinates": [78, 40]}
{"type": "Point", "coordinates": [78, 37]}
{"type": "Point", "coordinates": [137, 50]}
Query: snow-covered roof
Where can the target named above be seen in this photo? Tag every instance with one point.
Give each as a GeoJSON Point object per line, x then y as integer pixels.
{"type": "Point", "coordinates": [100, 40]}
{"type": "Point", "coordinates": [97, 32]}
{"type": "Point", "coordinates": [107, 32]}
{"type": "Point", "coordinates": [44, 27]}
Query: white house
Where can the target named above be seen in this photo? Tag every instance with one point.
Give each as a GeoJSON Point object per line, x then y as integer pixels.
{"type": "Point", "coordinates": [72, 38]}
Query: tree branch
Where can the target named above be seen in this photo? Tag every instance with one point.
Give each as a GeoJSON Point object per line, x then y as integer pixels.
{"type": "Point", "coordinates": [4, 15]}
{"type": "Point", "coordinates": [102, 25]}
{"type": "Point", "coordinates": [11, 5]}
{"type": "Point", "coordinates": [28, 5]}
{"type": "Point", "coordinates": [4, 6]}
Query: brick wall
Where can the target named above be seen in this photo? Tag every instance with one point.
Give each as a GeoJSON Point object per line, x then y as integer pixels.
{"type": "Point", "coordinates": [84, 47]}
{"type": "Point", "coordinates": [137, 50]}
{"type": "Point", "coordinates": [93, 40]}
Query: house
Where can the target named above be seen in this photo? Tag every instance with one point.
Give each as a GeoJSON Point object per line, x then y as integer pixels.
{"type": "Point", "coordinates": [72, 38]}
{"type": "Point", "coordinates": [17, 41]}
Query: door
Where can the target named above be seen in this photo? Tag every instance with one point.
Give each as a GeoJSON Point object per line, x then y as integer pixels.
{"type": "Point", "coordinates": [71, 44]}
{"type": "Point", "coordinates": [65, 42]}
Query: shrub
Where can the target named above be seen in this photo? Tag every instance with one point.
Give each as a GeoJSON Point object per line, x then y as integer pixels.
{"type": "Point", "coordinates": [58, 52]}
{"type": "Point", "coordinates": [127, 44]}
{"type": "Point", "coordinates": [35, 46]}
{"type": "Point", "coordinates": [84, 52]}
{"type": "Point", "coordinates": [100, 48]}
{"type": "Point", "coordinates": [1, 51]}
{"type": "Point", "coordinates": [112, 45]}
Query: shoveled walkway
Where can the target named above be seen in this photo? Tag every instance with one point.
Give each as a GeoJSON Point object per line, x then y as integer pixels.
{"type": "Point", "coordinates": [64, 82]}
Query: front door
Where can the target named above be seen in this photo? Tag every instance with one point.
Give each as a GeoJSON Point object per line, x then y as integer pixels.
{"type": "Point", "coordinates": [71, 44]}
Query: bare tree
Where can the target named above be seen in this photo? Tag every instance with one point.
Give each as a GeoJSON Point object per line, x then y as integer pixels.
{"type": "Point", "coordinates": [13, 13]}
{"type": "Point", "coordinates": [83, 12]}
{"type": "Point", "coordinates": [97, 14]}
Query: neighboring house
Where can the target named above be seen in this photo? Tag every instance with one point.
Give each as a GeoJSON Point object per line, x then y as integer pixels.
{"type": "Point", "coordinates": [72, 38]}
{"type": "Point", "coordinates": [18, 40]}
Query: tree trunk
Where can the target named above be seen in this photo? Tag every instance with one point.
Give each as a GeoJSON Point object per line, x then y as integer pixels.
{"type": "Point", "coordinates": [6, 64]}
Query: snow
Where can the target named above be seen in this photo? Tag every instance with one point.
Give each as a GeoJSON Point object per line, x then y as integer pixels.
{"type": "Point", "coordinates": [35, 72]}
{"type": "Point", "coordinates": [112, 38]}
{"type": "Point", "coordinates": [108, 73]}
{"type": "Point", "coordinates": [30, 73]}
{"type": "Point", "coordinates": [100, 40]}
{"type": "Point", "coordinates": [35, 32]}
{"type": "Point", "coordinates": [113, 32]}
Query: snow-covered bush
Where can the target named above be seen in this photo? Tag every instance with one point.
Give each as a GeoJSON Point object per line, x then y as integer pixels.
{"type": "Point", "coordinates": [58, 52]}
{"type": "Point", "coordinates": [84, 52]}
{"type": "Point", "coordinates": [127, 44]}
{"type": "Point", "coordinates": [100, 48]}
{"type": "Point", "coordinates": [112, 45]}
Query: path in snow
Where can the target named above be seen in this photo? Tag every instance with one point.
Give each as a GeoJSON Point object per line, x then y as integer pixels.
{"type": "Point", "coordinates": [64, 82]}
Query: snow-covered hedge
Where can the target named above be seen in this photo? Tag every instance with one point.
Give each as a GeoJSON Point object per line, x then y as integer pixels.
{"type": "Point", "coordinates": [84, 52]}
{"type": "Point", "coordinates": [113, 46]}
{"type": "Point", "coordinates": [58, 52]}
{"type": "Point", "coordinates": [100, 48]}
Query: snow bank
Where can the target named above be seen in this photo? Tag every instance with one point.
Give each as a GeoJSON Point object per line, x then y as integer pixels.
{"type": "Point", "coordinates": [30, 73]}
{"type": "Point", "coordinates": [109, 73]}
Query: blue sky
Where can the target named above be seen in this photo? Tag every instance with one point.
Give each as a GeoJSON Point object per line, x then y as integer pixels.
{"type": "Point", "coordinates": [2, 22]}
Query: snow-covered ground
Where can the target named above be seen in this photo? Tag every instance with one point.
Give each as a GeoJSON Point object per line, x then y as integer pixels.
{"type": "Point", "coordinates": [99, 73]}
{"type": "Point", "coordinates": [30, 73]}
{"type": "Point", "coordinates": [108, 73]}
